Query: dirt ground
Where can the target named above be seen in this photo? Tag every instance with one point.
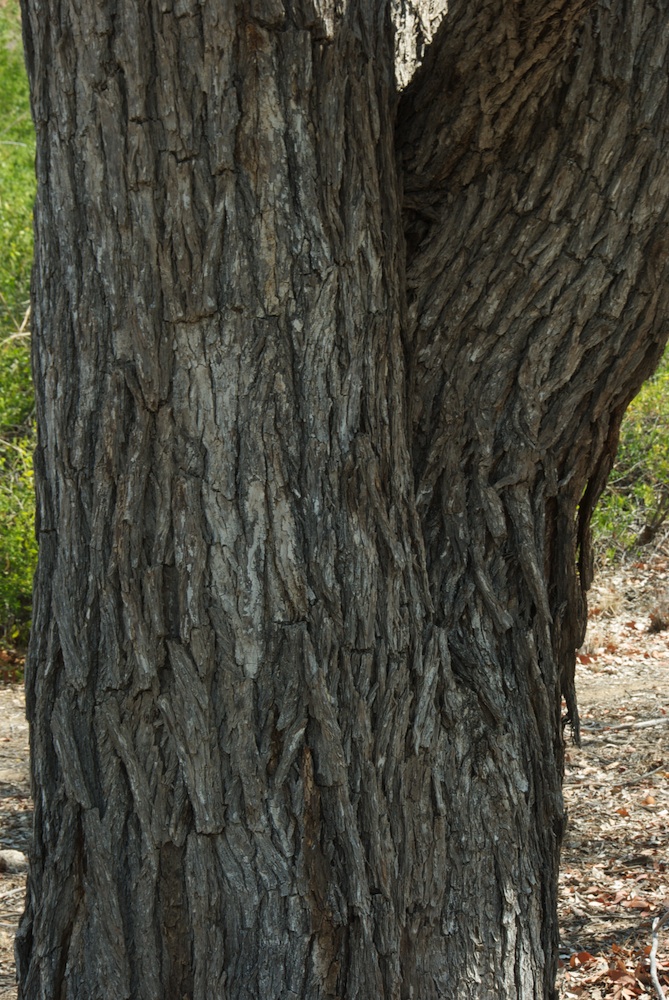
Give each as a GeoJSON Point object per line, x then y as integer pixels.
{"type": "Point", "coordinates": [15, 826]}
{"type": "Point", "coordinates": [615, 861]}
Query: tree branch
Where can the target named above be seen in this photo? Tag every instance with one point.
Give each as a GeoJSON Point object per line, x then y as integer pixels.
{"type": "Point", "coordinates": [536, 183]}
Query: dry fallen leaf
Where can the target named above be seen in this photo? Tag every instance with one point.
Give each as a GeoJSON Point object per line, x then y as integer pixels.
{"type": "Point", "coordinates": [581, 958]}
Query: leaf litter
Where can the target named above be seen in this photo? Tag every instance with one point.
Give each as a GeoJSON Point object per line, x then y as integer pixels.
{"type": "Point", "coordinates": [614, 879]}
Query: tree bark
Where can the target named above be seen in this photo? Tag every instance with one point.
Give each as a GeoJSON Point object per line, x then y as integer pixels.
{"type": "Point", "coordinates": [537, 290]}
{"type": "Point", "coordinates": [326, 395]}
{"type": "Point", "coordinates": [536, 277]}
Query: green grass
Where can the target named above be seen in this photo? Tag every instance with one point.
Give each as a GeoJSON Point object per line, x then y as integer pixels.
{"type": "Point", "coordinates": [17, 185]}
{"type": "Point", "coordinates": [18, 549]}
{"type": "Point", "coordinates": [635, 505]}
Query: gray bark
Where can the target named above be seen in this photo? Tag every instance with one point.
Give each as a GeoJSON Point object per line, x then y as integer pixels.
{"type": "Point", "coordinates": [326, 394]}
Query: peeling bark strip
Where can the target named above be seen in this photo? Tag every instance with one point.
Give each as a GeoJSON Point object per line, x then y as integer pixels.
{"type": "Point", "coordinates": [326, 395]}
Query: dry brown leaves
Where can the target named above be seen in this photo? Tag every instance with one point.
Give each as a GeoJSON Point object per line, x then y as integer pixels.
{"type": "Point", "coordinates": [615, 869]}
{"type": "Point", "coordinates": [15, 826]}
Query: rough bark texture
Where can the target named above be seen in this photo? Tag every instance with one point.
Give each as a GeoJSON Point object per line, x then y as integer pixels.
{"type": "Point", "coordinates": [314, 477]}
{"type": "Point", "coordinates": [536, 228]}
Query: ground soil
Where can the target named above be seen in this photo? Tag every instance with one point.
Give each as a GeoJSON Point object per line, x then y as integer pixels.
{"type": "Point", "coordinates": [614, 882]}
{"type": "Point", "coordinates": [615, 863]}
{"type": "Point", "coordinates": [15, 826]}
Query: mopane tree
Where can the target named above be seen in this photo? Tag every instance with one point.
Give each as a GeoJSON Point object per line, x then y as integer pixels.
{"type": "Point", "coordinates": [337, 309]}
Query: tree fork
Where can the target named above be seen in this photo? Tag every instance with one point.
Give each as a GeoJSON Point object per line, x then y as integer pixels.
{"type": "Point", "coordinates": [312, 482]}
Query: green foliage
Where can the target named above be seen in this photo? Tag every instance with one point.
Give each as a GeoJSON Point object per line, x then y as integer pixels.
{"type": "Point", "coordinates": [17, 175]}
{"type": "Point", "coordinates": [18, 548]}
{"type": "Point", "coordinates": [16, 395]}
{"type": "Point", "coordinates": [635, 504]}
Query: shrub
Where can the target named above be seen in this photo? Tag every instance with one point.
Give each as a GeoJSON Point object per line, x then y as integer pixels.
{"type": "Point", "coordinates": [17, 184]}
{"type": "Point", "coordinates": [18, 548]}
{"type": "Point", "coordinates": [635, 505]}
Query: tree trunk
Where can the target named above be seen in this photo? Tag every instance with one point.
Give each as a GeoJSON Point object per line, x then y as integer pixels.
{"type": "Point", "coordinates": [327, 391]}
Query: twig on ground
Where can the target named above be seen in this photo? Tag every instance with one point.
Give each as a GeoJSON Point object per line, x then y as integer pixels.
{"type": "Point", "coordinates": [657, 923]}
{"type": "Point", "coordinates": [644, 724]}
{"type": "Point", "coordinates": [20, 890]}
{"type": "Point", "coordinates": [648, 774]}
